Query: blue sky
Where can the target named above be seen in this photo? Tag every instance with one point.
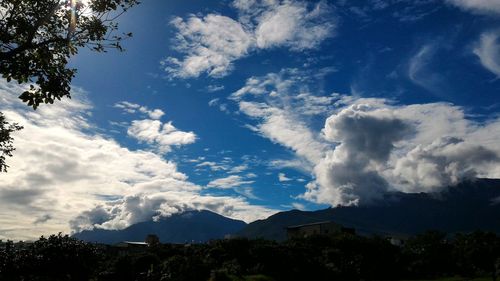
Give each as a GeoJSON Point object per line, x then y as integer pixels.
{"type": "Point", "coordinates": [247, 108]}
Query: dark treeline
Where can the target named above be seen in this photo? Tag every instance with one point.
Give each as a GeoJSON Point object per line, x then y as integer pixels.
{"type": "Point", "coordinates": [341, 257]}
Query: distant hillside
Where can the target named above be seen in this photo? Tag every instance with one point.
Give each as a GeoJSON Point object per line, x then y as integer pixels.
{"type": "Point", "coordinates": [192, 226]}
{"type": "Point", "coordinates": [466, 207]}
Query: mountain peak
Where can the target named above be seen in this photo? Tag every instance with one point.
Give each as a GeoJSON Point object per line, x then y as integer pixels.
{"type": "Point", "coordinates": [468, 206]}
{"type": "Point", "coordinates": [186, 227]}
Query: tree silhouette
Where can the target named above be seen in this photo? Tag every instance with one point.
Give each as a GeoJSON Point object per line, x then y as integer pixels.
{"type": "Point", "coordinates": [152, 240]}
{"type": "Point", "coordinates": [6, 147]}
{"type": "Point", "coordinates": [38, 37]}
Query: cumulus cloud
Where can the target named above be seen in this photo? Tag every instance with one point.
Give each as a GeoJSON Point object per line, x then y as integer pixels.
{"type": "Point", "coordinates": [399, 153]}
{"type": "Point", "coordinates": [120, 213]}
{"type": "Point", "coordinates": [487, 49]}
{"type": "Point", "coordinates": [162, 135]}
{"type": "Point", "coordinates": [62, 171]}
{"type": "Point", "coordinates": [490, 7]}
{"type": "Point", "coordinates": [294, 25]}
{"type": "Point", "coordinates": [211, 43]}
{"type": "Point", "coordinates": [444, 162]}
{"type": "Point", "coordinates": [365, 138]}
{"type": "Point", "coordinates": [369, 146]}
{"type": "Point", "coordinates": [153, 131]}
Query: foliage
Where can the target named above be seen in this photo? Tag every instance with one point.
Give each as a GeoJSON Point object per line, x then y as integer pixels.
{"type": "Point", "coordinates": [38, 37]}
{"type": "Point", "coordinates": [57, 257]}
{"type": "Point", "coordinates": [429, 255]}
{"type": "Point", "coordinates": [336, 257]}
{"type": "Point", "coordinates": [477, 253]}
{"type": "Point", "coordinates": [6, 139]}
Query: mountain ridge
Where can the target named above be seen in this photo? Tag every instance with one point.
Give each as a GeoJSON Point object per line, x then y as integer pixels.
{"type": "Point", "coordinates": [185, 227]}
{"type": "Point", "coordinates": [468, 206]}
{"type": "Point", "coordinates": [465, 207]}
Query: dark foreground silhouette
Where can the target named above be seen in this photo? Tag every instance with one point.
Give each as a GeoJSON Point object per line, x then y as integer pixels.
{"type": "Point", "coordinates": [336, 257]}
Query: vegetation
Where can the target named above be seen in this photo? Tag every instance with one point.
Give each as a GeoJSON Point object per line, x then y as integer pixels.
{"type": "Point", "coordinates": [6, 146]}
{"type": "Point", "coordinates": [427, 256]}
{"type": "Point", "coordinates": [38, 37]}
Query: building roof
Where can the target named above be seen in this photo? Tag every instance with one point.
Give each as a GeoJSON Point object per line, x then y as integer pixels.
{"type": "Point", "coordinates": [135, 243]}
{"type": "Point", "coordinates": [310, 224]}
{"type": "Point", "coordinates": [130, 243]}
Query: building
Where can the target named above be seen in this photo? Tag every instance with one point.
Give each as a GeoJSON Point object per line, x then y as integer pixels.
{"type": "Point", "coordinates": [131, 245]}
{"type": "Point", "coordinates": [397, 240]}
{"type": "Point", "coordinates": [318, 228]}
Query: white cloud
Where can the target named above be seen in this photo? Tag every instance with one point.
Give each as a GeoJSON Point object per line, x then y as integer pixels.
{"type": "Point", "coordinates": [213, 102]}
{"type": "Point", "coordinates": [63, 172]}
{"type": "Point", "coordinates": [369, 146]}
{"type": "Point", "coordinates": [299, 206]}
{"type": "Point", "coordinates": [295, 163]}
{"type": "Point", "coordinates": [215, 88]}
{"type": "Point", "coordinates": [294, 25]}
{"type": "Point", "coordinates": [282, 127]}
{"type": "Point", "coordinates": [228, 182]}
{"type": "Point", "coordinates": [238, 169]}
{"type": "Point", "coordinates": [478, 6]}
{"type": "Point", "coordinates": [384, 147]}
{"type": "Point", "coordinates": [153, 131]}
{"type": "Point", "coordinates": [213, 166]}
{"type": "Point", "coordinates": [487, 49]}
{"type": "Point", "coordinates": [421, 73]}
{"type": "Point", "coordinates": [135, 208]}
{"type": "Point", "coordinates": [366, 138]}
{"type": "Point", "coordinates": [279, 103]}
{"type": "Point", "coordinates": [210, 44]}
{"type": "Point", "coordinates": [132, 108]}
{"type": "Point", "coordinates": [444, 162]}
{"type": "Point", "coordinates": [251, 175]}
{"type": "Point", "coordinates": [162, 135]}
{"type": "Point", "coordinates": [283, 178]}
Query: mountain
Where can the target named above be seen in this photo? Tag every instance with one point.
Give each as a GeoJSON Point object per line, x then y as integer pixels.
{"type": "Point", "coordinates": [191, 226]}
{"type": "Point", "coordinates": [471, 205]}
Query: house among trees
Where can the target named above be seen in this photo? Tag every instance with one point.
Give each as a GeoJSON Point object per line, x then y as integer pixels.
{"type": "Point", "coordinates": [133, 246]}
{"type": "Point", "coordinates": [318, 228]}
{"type": "Point", "coordinates": [398, 240]}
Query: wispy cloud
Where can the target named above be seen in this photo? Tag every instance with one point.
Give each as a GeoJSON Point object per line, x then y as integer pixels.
{"type": "Point", "coordinates": [281, 103]}
{"type": "Point", "coordinates": [489, 7]}
{"type": "Point", "coordinates": [133, 108]}
{"type": "Point", "coordinates": [214, 166]}
{"type": "Point", "coordinates": [421, 73]}
{"type": "Point", "coordinates": [487, 49]}
{"type": "Point", "coordinates": [229, 182]}
{"type": "Point", "coordinates": [215, 88]}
